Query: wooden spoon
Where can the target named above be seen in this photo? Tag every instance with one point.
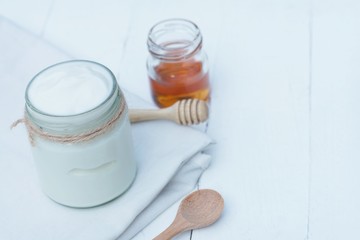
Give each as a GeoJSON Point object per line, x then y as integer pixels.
{"type": "Point", "coordinates": [184, 112]}
{"type": "Point", "coordinates": [198, 210]}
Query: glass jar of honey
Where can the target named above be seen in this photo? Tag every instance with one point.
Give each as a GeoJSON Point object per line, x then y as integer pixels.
{"type": "Point", "coordinates": [177, 65]}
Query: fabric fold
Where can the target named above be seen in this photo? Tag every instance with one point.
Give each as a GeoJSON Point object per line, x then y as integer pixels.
{"type": "Point", "coordinates": [168, 156]}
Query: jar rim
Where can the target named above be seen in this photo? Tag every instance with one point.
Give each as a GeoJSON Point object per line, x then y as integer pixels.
{"type": "Point", "coordinates": [195, 41]}
{"type": "Point", "coordinates": [111, 93]}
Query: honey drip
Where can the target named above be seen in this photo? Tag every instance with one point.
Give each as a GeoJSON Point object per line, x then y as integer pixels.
{"type": "Point", "coordinates": [179, 80]}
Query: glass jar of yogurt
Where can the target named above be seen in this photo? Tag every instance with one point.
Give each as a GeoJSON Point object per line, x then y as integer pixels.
{"type": "Point", "coordinates": [76, 117]}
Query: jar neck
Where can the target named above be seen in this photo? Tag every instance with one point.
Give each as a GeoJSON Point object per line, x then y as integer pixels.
{"type": "Point", "coordinates": [174, 39]}
{"type": "Point", "coordinates": [57, 81]}
{"type": "Point", "coordinates": [76, 124]}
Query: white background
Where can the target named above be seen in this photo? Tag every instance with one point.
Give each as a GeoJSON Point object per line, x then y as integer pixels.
{"type": "Point", "coordinates": [285, 110]}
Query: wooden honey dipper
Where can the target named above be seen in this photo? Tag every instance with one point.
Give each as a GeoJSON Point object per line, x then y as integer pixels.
{"type": "Point", "coordinates": [183, 112]}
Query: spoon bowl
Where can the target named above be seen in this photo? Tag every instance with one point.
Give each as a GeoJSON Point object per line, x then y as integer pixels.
{"type": "Point", "coordinates": [197, 210]}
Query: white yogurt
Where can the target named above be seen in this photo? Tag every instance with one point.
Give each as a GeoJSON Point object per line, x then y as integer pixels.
{"type": "Point", "coordinates": [70, 89]}
{"type": "Point", "coordinates": [91, 172]}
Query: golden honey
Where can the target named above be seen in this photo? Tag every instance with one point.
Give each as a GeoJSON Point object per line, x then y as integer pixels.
{"type": "Point", "coordinates": [179, 80]}
{"type": "Point", "coordinates": [177, 65]}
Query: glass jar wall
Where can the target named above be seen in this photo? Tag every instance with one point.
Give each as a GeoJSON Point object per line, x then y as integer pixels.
{"type": "Point", "coordinates": [177, 65]}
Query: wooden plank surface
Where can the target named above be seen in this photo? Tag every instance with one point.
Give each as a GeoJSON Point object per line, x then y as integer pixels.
{"type": "Point", "coordinates": [335, 131]}
{"type": "Point", "coordinates": [284, 115]}
{"type": "Point", "coordinates": [259, 118]}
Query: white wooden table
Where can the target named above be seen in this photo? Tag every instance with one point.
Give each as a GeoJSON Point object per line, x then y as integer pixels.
{"type": "Point", "coordinates": [285, 110]}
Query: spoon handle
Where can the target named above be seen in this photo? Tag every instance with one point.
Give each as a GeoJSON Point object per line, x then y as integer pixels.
{"type": "Point", "coordinates": [178, 226]}
{"type": "Point", "coordinates": [139, 115]}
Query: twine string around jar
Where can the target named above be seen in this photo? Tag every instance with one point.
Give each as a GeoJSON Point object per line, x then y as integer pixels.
{"type": "Point", "coordinates": [34, 130]}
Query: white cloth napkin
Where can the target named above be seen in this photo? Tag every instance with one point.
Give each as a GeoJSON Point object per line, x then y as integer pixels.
{"type": "Point", "coordinates": [169, 161]}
